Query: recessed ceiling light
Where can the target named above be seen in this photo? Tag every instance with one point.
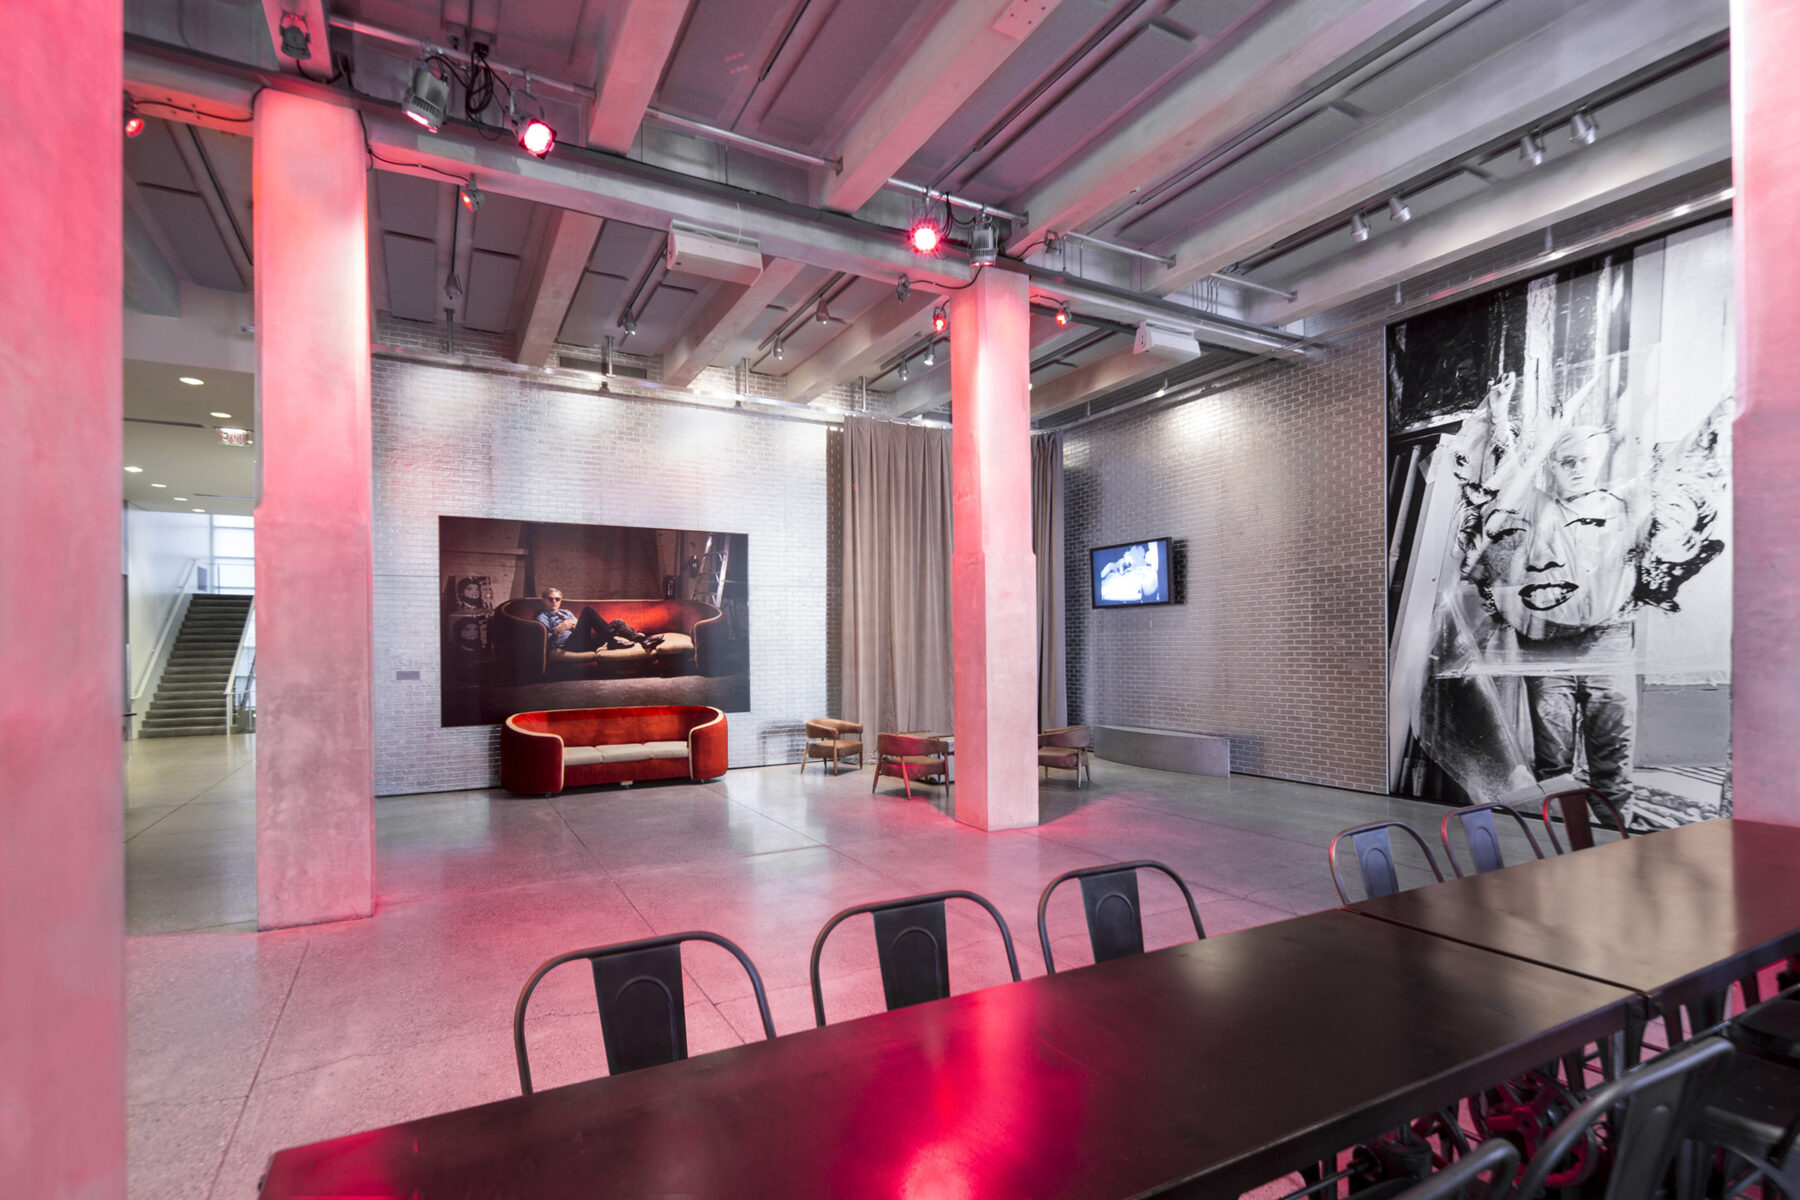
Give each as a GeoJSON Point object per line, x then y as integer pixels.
{"type": "Point", "coordinates": [161, 485]}
{"type": "Point", "coordinates": [199, 510]}
{"type": "Point", "coordinates": [134, 470]}
{"type": "Point", "coordinates": [191, 381]}
{"type": "Point", "coordinates": [179, 499]}
{"type": "Point", "coordinates": [221, 416]}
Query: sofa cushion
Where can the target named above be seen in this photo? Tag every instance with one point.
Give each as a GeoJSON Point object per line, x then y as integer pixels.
{"type": "Point", "coordinates": [581, 756]}
{"type": "Point", "coordinates": [666, 749]}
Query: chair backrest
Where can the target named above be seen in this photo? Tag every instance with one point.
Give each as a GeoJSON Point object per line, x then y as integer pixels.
{"type": "Point", "coordinates": [1375, 856]}
{"type": "Point", "coordinates": [1496, 1155]}
{"type": "Point", "coordinates": [1650, 1110]}
{"type": "Point", "coordinates": [1109, 897]}
{"type": "Point", "coordinates": [907, 745]}
{"type": "Point", "coordinates": [1484, 839]}
{"type": "Point", "coordinates": [912, 947]}
{"type": "Point", "coordinates": [643, 1018]}
{"type": "Point", "coordinates": [1072, 737]}
{"type": "Point", "coordinates": [1578, 822]}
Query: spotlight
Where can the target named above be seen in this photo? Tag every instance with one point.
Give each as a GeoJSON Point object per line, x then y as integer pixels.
{"type": "Point", "coordinates": [1164, 389]}
{"type": "Point", "coordinates": [821, 314]}
{"type": "Point", "coordinates": [924, 236]}
{"type": "Point", "coordinates": [984, 243]}
{"type": "Point", "coordinates": [537, 137]}
{"type": "Point", "coordinates": [1531, 150]}
{"type": "Point", "coordinates": [779, 353]}
{"type": "Point", "coordinates": [296, 43]}
{"type": "Point", "coordinates": [428, 99]}
{"type": "Point", "coordinates": [452, 286]}
{"type": "Point", "coordinates": [1359, 228]}
{"type": "Point", "coordinates": [1063, 315]}
{"type": "Point", "coordinates": [930, 358]}
{"type": "Point", "coordinates": [628, 323]}
{"type": "Point", "coordinates": [940, 319]}
{"type": "Point", "coordinates": [472, 197]}
{"type": "Point", "coordinates": [905, 374]}
{"type": "Point", "coordinates": [1582, 129]}
{"type": "Point", "coordinates": [903, 289]}
{"type": "Point", "coordinates": [1398, 210]}
{"type": "Point", "coordinates": [134, 120]}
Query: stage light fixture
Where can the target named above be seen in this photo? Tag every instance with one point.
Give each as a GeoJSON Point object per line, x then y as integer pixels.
{"type": "Point", "coordinates": [821, 314]}
{"type": "Point", "coordinates": [134, 120]}
{"type": "Point", "coordinates": [1582, 129]}
{"type": "Point", "coordinates": [779, 352]}
{"type": "Point", "coordinates": [428, 98]}
{"type": "Point", "coordinates": [940, 319]}
{"type": "Point", "coordinates": [1398, 209]}
{"type": "Point", "coordinates": [903, 289]}
{"type": "Point", "coordinates": [1359, 228]}
{"type": "Point", "coordinates": [924, 236]}
{"type": "Point", "coordinates": [536, 137]}
{"type": "Point", "coordinates": [984, 242]}
{"type": "Point", "coordinates": [296, 42]}
{"type": "Point", "coordinates": [1531, 150]}
{"type": "Point", "coordinates": [472, 197]}
{"type": "Point", "coordinates": [905, 373]}
{"type": "Point", "coordinates": [930, 358]}
{"type": "Point", "coordinates": [629, 324]}
{"type": "Point", "coordinates": [1063, 315]}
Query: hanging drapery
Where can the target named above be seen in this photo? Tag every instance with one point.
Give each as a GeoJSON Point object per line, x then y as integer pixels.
{"type": "Point", "coordinates": [1047, 544]}
{"type": "Point", "coordinates": [896, 619]}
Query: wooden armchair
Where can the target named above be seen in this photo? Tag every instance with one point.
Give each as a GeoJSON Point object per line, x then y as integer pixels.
{"type": "Point", "coordinates": [1066, 749]}
{"type": "Point", "coordinates": [830, 737]}
{"type": "Point", "coordinates": [909, 756]}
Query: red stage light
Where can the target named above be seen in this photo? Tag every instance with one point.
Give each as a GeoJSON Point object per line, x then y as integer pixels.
{"type": "Point", "coordinates": [940, 320]}
{"type": "Point", "coordinates": [1062, 314]}
{"type": "Point", "coordinates": [537, 137]}
{"type": "Point", "coordinates": [134, 125]}
{"type": "Point", "coordinates": [420, 119]}
{"type": "Point", "coordinates": [924, 237]}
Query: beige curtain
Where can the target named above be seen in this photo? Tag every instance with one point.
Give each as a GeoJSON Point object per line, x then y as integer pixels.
{"type": "Point", "coordinates": [896, 619]}
{"type": "Point", "coordinates": [1047, 544]}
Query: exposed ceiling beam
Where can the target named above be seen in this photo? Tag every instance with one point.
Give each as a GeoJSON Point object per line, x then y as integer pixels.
{"type": "Point", "coordinates": [206, 183]}
{"type": "Point", "coordinates": [311, 14]}
{"type": "Point", "coordinates": [568, 243]}
{"type": "Point", "coordinates": [1289, 51]}
{"type": "Point", "coordinates": [151, 285]}
{"type": "Point", "coordinates": [1118, 369]}
{"type": "Point", "coordinates": [730, 312]}
{"type": "Point", "coordinates": [879, 335]}
{"type": "Point", "coordinates": [1642, 156]}
{"type": "Point", "coordinates": [1561, 63]}
{"type": "Point", "coordinates": [963, 48]}
{"type": "Point", "coordinates": [636, 39]}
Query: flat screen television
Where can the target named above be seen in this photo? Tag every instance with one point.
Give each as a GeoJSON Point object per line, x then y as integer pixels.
{"type": "Point", "coordinates": [1132, 574]}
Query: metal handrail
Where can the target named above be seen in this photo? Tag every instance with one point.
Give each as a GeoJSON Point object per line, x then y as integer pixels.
{"type": "Point", "coordinates": [165, 638]}
{"type": "Point", "coordinates": [233, 704]}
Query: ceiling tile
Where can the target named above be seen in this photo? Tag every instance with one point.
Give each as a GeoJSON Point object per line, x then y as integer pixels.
{"type": "Point", "coordinates": [488, 303]}
{"type": "Point", "coordinates": [188, 225]}
{"type": "Point", "coordinates": [412, 276]}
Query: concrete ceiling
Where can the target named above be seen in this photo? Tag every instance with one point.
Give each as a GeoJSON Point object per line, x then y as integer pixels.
{"type": "Point", "coordinates": [1218, 135]}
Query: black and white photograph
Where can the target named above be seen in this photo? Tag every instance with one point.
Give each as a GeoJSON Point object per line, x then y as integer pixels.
{"type": "Point", "coordinates": [1560, 535]}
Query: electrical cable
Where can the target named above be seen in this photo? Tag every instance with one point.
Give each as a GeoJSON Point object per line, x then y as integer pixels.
{"type": "Point", "coordinates": [199, 113]}
{"type": "Point", "coordinates": [957, 287]}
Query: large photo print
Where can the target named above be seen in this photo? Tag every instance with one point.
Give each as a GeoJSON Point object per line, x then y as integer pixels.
{"type": "Point", "coordinates": [542, 615]}
{"type": "Point", "coordinates": [1560, 535]}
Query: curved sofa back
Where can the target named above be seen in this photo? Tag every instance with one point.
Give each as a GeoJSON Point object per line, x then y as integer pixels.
{"type": "Point", "coordinates": [618, 726]}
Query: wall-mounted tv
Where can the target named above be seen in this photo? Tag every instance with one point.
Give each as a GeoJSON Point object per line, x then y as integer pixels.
{"type": "Point", "coordinates": [1133, 573]}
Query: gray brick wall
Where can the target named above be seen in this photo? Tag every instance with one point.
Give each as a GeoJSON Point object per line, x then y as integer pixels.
{"type": "Point", "coordinates": [481, 443]}
{"type": "Point", "coordinates": [1273, 490]}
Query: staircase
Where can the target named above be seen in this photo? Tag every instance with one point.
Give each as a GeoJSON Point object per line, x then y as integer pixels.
{"type": "Point", "coordinates": [190, 697]}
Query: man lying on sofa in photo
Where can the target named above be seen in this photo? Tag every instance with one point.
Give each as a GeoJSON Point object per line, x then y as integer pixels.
{"type": "Point", "coordinates": [572, 636]}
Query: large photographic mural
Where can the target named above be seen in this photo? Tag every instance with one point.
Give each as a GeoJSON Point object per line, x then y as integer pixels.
{"type": "Point", "coordinates": [1560, 535]}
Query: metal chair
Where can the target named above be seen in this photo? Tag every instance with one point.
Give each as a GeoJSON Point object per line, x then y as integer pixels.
{"type": "Point", "coordinates": [1109, 897]}
{"type": "Point", "coordinates": [1374, 848]}
{"type": "Point", "coordinates": [1650, 1111]}
{"type": "Point", "coordinates": [1578, 822]}
{"type": "Point", "coordinates": [1755, 1112]}
{"type": "Point", "coordinates": [638, 986]}
{"type": "Point", "coordinates": [1456, 1181]}
{"type": "Point", "coordinates": [1484, 840]}
{"type": "Point", "coordinates": [909, 757]}
{"type": "Point", "coordinates": [912, 947]}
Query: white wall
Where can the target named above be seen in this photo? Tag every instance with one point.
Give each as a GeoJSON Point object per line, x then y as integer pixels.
{"type": "Point", "coordinates": [158, 548]}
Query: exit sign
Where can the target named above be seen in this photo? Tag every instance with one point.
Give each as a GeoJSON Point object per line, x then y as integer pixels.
{"type": "Point", "coordinates": [234, 437]}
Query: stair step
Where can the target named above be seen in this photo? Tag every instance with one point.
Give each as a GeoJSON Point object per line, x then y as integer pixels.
{"type": "Point", "coordinates": [184, 731]}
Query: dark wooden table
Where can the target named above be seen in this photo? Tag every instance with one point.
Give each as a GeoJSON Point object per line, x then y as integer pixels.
{"type": "Point", "coordinates": [1672, 915]}
{"type": "Point", "coordinates": [1201, 1069]}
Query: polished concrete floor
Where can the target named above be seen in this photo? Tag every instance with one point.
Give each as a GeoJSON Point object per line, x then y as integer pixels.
{"type": "Point", "coordinates": [241, 1043]}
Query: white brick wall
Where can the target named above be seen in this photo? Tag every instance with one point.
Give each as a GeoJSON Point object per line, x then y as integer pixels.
{"type": "Point", "coordinates": [469, 443]}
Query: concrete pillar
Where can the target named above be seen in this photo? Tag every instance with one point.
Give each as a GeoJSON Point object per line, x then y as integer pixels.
{"type": "Point", "coordinates": [315, 809]}
{"type": "Point", "coordinates": [1765, 698]}
{"type": "Point", "coordinates": [992, 578]}
{"type": "Point", "coordinates": [62, 838]}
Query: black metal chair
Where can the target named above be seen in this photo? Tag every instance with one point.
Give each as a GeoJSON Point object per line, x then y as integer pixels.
{"type": "Point", "coordinates": [1650, 1111]}
{"type": "Point", "coordinates": [1484, 839]}
{"type": "Point", "coordinates": [1109, 897]}
{"type": "Point", "coordinates": [1755, 1112]}
{"type": "Point", "coordinates": [1374, 847]}
{"type": "Point", "coordinates": [1496, 1157]}
{"type": "Point", "coordinates": [1578, 821]}
{"type": "Point", "coordinates": [912, 946]}
{"type": "Point", "coordinates": [638, 986]}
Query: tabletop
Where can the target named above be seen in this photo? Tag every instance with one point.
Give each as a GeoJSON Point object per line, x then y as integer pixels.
{"type": "Point", "coordinates": [1672, 915]}
{"type": "Point", "coordinates": [1205, 1068]}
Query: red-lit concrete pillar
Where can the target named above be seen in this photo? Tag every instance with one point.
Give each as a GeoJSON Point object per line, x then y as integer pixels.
{"type": "Point", "coordinates": [992, 581]}
{"type": "Point", "coordinates": [1765, 698]}
{"type": "Point", "coordinates": [62, 839]}
{"type": "Point", "coordinates": [315, 810]}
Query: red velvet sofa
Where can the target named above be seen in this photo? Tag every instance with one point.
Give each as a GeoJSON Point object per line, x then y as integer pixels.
{"type": "Point", "coordinates": [693, 640]}
{"type": "Point", "coordinates": [541, 753]}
